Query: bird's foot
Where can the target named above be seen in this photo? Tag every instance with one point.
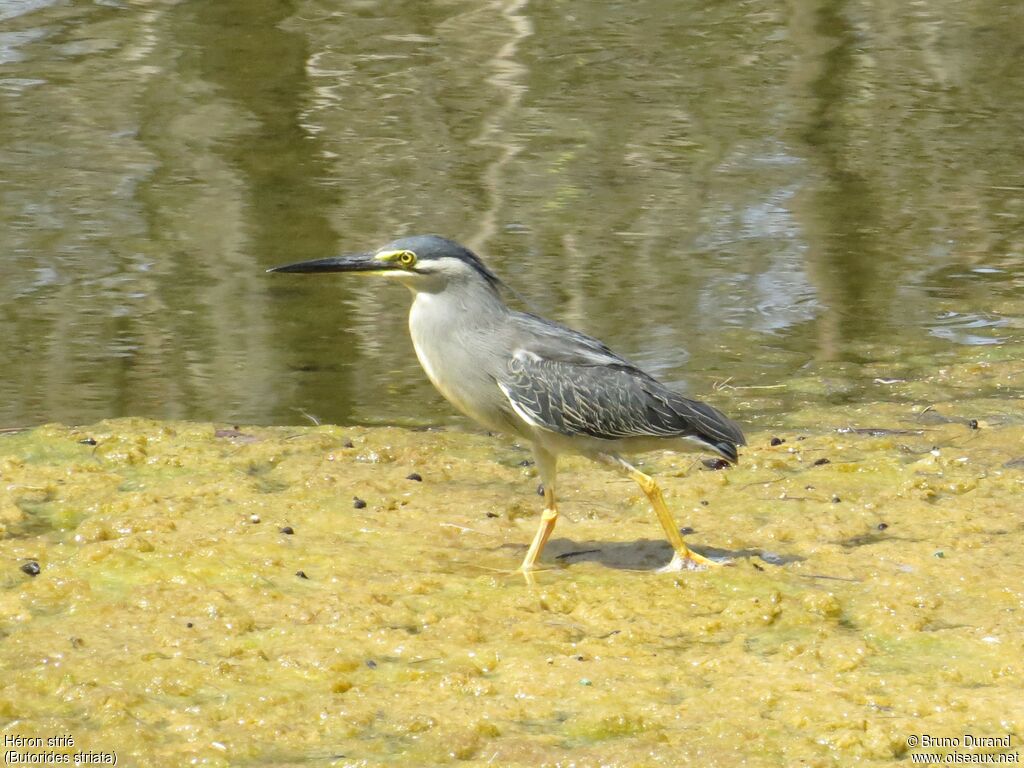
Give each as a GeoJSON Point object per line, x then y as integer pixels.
{"type": "Point", "coordinates": [529, 573]}
{"type": "Point", "coordinates": [691, 561]}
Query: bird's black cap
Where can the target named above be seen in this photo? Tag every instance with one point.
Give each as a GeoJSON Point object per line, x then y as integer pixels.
{"type": "Point", "coordinates": [428, 247]}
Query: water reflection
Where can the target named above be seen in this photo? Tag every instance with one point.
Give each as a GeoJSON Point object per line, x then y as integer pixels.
{"type": "Point", "coordinates": [822, 188]}
{"type": "Point", "coordinates": [967, 328]}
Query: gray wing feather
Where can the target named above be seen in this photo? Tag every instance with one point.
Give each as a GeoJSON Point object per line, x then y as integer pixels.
{"type": "Point", "coordinates": [553, 341]}
{"type": "Point", "coordinates": [570, 383]}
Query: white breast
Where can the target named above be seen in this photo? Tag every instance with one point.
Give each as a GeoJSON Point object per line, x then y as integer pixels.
{"type": "Point", "coordinates": [423, 333]}
{"type": "Point", "coordinates": [443, 349]}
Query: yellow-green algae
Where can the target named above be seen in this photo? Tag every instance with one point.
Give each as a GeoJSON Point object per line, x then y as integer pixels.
{"type": "Point", "coordinates": [874, 597]}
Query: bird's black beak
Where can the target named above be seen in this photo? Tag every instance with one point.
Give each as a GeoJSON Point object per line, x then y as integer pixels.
{"type": "Point", "coordinates": [356, 262]}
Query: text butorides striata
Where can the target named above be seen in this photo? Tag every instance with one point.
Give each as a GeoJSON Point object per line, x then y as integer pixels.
{"type": "Point", "coordinates": [520, 374]}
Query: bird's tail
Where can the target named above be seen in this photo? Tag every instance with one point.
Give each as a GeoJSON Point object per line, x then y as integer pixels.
{"type": "Point", "coordinates": [711, 427]}
{"type": "Point", "coordinates": [728, 451]}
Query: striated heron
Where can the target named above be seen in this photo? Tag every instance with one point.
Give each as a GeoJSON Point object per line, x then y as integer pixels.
{"type": "Point", "coordinates": [517, 373]}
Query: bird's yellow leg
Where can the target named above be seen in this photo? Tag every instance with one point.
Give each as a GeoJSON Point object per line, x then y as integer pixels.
{"type": "Point", "coordinates": [548, 518]}
{"type": "Point", "coordinates": [546, 469]}
{"type": "Point", "coordinates": [684, 556]}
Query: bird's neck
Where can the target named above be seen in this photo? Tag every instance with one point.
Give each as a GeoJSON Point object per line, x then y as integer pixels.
{"type": "Point", "coordinates": [452, 332]}
{"type": "Point", "coordinates": [459, 304]}
{"type": "Point", "coordinates": [448, 323]}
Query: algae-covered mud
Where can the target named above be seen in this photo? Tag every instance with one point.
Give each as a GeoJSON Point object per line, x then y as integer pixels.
{"type": "Point", "coordinates": [231, 595]}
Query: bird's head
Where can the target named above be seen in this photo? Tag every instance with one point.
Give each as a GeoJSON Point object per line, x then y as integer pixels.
{"type": "Point", "coordinates": [422, 263]}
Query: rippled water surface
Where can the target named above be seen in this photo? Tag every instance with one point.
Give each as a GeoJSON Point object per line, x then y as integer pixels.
{"type": "Point", "coordinates": [754, 193]}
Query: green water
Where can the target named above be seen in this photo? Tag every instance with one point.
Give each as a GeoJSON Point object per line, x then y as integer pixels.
{"type": "Point", "coordinates": [821, 195]}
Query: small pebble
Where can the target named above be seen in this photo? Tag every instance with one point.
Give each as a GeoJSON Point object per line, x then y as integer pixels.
{"type": "Point", "coordinates": [254, 518]}
{"type": "Point", "coordinates": [234, 434]}
{"type": "Point", "coordinates": [822, 461]}
{"type": "Point", "coordinates": [526, 463]}
{"type": "Point", "coordinates": [777, 441]}
{"type": "Point", "coordinates": [414, 476]}
{"type": "Point", "coordinates": [288, 530]}
{"type": "Point", "coordinates": [940, 554]}
{"type": "Point", "coordinates": [973, 423]}
{"type": "Point", "coordinates": [585, 681]}
{"type": "Point", "coordinates": [371, 663]}
{"type": "Point", "coordinates": [301, 574]}
{"type": "Point", "coordinates": [686, 530]}
{"type": "Point", "coordinates": [882, 526]}
{"type": "Point", "coordinates": [491, 514]}
{"type": "Point", "coordinates": [348, 444]}
{"type": "Point", "coordinates": [31, 568]}
{"type": "Point", "coordinates": [715, 464]}
{"type": "Point", "coordinates": [704, 502]}
{"type": "Point", "coordinates": [540, 489]}
{"type": "Point", "coordinates": [92, 441]}
{"type": "Point", "coordinates": [836, 500]}
{"type": "Point", "coordinates": [189, 625]}
{"type": "Point", "coordinates": [358, 503]}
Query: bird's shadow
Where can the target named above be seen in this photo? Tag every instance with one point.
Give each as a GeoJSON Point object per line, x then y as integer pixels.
{"type": "Point", "coordinates": [644, 554]}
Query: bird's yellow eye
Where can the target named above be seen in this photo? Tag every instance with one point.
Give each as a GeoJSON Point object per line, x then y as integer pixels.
{"type": "Point", "coordinates": [407, 258]}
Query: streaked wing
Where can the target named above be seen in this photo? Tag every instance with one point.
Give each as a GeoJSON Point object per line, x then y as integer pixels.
{"type": "Point", "coordinates": [610, 400]}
